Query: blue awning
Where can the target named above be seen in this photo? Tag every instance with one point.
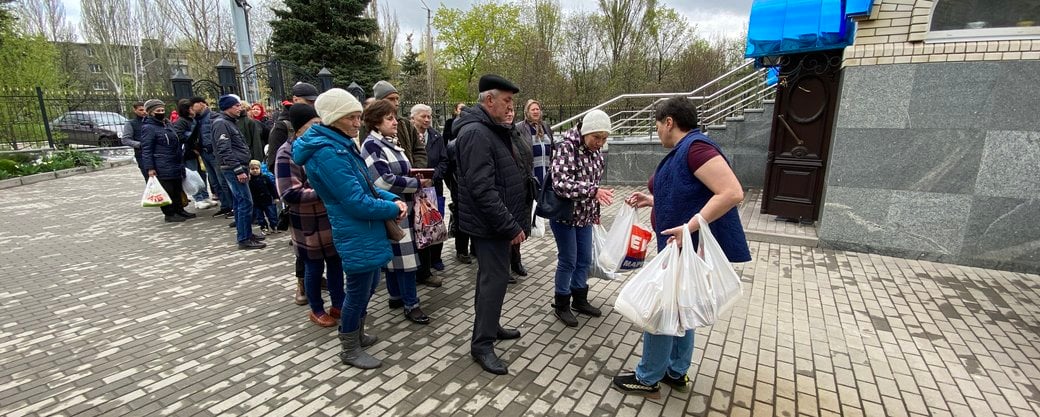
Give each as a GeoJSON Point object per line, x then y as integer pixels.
{"type": "Point", "coordinates": [781, 27]}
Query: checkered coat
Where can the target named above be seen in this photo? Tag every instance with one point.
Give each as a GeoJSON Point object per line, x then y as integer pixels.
{"type": "Point", "coordinates": [308, 218]}
{"type": "Point", "coordinates": [389, 166]}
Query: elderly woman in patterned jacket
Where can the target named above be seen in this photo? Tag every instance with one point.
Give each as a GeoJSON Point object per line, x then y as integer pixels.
{"type": "Point", "coordinates": [390, 168]}
{"type": "Point", "coordinates": [577, 168]}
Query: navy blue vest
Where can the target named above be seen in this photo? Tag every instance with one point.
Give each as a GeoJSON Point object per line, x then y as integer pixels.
{"type": "Point", "coordinates": [678, 195]}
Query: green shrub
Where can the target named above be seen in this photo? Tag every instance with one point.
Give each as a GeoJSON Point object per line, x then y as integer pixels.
{"type": "Point", "coordinates": [8, 166]}
{"type": "Point", "coordinates": [28, 169]}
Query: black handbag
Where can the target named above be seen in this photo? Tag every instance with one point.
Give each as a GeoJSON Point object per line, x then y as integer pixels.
{"type": "Point", "coordinates": [551, 205]}
{"type": "Point", "coordinates": [283, 219]}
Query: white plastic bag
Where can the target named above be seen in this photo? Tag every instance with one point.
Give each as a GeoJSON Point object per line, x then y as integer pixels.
{"type": "Point", "coordinates": [648, 299]}
{"type": "Point", "coordinates": [626, 242]}
{"type": "Point", "coordinates": [537, 223]}
{"type": "Point", "coordinates": [596, 270]}
{"type": "Point", "coordinates": [154, 194]}
{"type": "Point", "coordinates": [707, 285]}
{"type": "Point", "coordinates": [192, 182]}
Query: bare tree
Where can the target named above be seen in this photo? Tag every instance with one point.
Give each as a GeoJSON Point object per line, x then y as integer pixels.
{"type": "Point", "coordinates": [203, 29]}
{"type": "Point", "coordinates": [260, 25]}
{"type": "Point", "coordinates": [109, 27]}
{"type": "Point", "coordinates": [389, 30]}
{"type": "Point", "coordinates": [47, 18]}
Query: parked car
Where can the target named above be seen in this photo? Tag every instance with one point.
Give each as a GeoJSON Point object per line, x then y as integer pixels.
{"type": "Point", "coordinates": [94, 128]}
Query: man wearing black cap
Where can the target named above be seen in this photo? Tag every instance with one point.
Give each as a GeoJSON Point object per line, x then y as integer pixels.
{"type": "Point", "coordinates": [301, 93]}
{"type": "Point", "coordinates": [233, 157]}
{"type": "Point", "coordinates": [493, 192]}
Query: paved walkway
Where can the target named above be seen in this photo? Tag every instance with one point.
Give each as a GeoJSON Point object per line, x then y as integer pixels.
{"type": "Point", "coordinates": [108, 311]}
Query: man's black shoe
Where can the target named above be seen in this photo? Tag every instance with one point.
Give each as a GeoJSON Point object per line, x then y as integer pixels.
{"type": "Point", "coordinates": [222, 212]}
{"type": "Point", "coordinates": [490, 362]}
{"type": "Point", "coordinates": [186, 215]}
{"type": "Point", "coordinates": [232, 225]}
{"type": "Point", "coordinates": [174, 219]}
{"type": "Point", "coordinates": [251, 244]}
{"type": "Point", "coordinates": [512, 280]}
{"type": "Point", "coordinates": [518, 268]}
{"type": "Point", "coordinates": [507, 334]}
{"type": "Point", "coordinates": [258, 238]}
{"type": "Point", "coordinates": [463, 258]}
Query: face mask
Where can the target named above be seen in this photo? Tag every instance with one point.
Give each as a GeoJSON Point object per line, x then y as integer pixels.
{"type": "Point", "coordinates": [159, 116]}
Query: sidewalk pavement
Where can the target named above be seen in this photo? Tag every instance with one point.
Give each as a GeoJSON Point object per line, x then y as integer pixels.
{"type": "Point", "coordinates": [109, 311]}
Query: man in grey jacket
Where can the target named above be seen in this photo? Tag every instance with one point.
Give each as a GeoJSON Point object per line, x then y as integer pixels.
{"type": "Point", "coordinates": [233, 157]}
{"type": "Point", "coordinates": [132, 132]}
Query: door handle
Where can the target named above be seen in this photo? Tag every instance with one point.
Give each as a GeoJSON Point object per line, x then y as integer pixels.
{"type": "Point", "coordinates": [790, 130]}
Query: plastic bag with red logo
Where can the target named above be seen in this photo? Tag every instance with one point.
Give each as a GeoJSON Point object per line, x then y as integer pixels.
{"type": "Point", "coordinates": [626, 242]}
{"type": "Point", "coordinates": [154, 194]}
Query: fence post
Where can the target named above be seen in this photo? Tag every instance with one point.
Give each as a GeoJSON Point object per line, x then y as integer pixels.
{"type": "Point", "coordinates": [43, 113]}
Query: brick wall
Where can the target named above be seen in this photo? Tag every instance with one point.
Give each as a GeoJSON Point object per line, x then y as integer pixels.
{"type": "Point", "coordinates": [894, 33]}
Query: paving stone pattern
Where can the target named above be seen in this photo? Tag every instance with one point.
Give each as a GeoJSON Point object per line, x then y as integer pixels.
{"type": "Point", "coordinates": [109, 311]}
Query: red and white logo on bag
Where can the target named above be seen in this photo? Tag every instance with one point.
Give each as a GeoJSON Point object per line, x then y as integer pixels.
{"type": "Point", "coordinates": [638, 243]}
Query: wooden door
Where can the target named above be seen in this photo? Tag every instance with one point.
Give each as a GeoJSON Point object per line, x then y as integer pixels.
{"type": "Point", "coordinates": [803, 123]}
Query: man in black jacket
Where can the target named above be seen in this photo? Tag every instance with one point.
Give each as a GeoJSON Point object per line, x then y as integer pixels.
{"type": "Point", "coordinates": [233, 157]}
{"type": "Point", "coordinates": [493, 189]}
{"type": "Point", "coordinates": [301, 93]}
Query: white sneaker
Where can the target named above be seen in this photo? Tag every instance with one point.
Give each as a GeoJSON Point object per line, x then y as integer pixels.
{"type": "Point", "coordinates": [204, 204]}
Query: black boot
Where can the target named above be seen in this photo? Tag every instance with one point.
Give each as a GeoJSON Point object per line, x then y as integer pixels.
{"type": "Point", "coordinates": [562, 310]}
{"type": "Point", "coordinates": [581, 303]}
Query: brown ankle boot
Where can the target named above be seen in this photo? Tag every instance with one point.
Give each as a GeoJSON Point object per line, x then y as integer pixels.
{"type": "Point", "coordinates": [300, 298]}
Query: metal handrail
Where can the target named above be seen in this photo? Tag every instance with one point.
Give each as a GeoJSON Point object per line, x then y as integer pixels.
{"type": "Point", "coordinates": [727, 101]}
{"type": "Point", "coordinates": [758, 95]}
{"type": "Point", "coordinates": [746, 64]}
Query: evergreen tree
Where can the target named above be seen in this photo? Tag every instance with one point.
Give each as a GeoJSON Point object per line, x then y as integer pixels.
{"type": "Point", "coordinates": [412, 81]}
{"type": "Point", "coordinates": [328, 33]}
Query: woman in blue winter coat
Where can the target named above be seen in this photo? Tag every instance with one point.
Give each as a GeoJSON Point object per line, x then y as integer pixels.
{"type": "Point", "coordinates": [357, 210]}
{"type": "Point", "coordinates": [162, 156]}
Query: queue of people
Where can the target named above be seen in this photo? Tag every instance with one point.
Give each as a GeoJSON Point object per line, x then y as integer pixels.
{"type": "Point", "coordinates": [346, 174]}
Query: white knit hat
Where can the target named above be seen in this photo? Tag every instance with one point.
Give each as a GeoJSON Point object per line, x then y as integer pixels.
{"type": "Point", "coordinates": [595, 121]}
{"type": "Point", "coordinates": [334, 104]}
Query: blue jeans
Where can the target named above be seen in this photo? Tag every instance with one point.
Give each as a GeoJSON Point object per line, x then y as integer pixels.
{"type": "Point", "coordinates": [574, 255]}
{"type": "Point", "coordinates": [270, 211]}
{"type": "Point", "coordinates": [217, 182]}
{"type": "Point", "coordinates": [663, 354]}
{"type": "Point", "coordinates": [243, 206]}
{"type": "Point", "coordinates": [360, 287]}
{"type": "Point", "coordinates": [312, 270]}
{"type": "Point", "coordinates": [401, 286]}
{"type": "Point", "coordinates": [193, 164]}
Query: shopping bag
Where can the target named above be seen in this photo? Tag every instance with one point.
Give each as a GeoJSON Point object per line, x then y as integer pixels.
{"type": "Point", "coordinates": [707, 285]}
{"type": "Point", "coordinates": [648, 300]}
{"type": "Point", "coordinates": [429, 223]}
{"type": "Point", "coordinates": [596, 270]}
{"type": "Point", "coordinates": [538, 223]}
{"type": "Point", "coordinates": [626, 243]}
{"type": "Point", "coordinates": [192, 182]}
{"type": "Point", "coordinates": [154, 194]}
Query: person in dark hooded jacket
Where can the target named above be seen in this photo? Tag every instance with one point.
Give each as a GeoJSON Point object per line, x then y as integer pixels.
{"type": "Point", "coordinates": [494, 188]}
{"type": "Point", "coordinates": [163, 157]}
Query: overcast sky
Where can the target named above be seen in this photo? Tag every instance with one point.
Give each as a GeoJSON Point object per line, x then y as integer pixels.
{"type": "Point", "coordinates": [712, 18]}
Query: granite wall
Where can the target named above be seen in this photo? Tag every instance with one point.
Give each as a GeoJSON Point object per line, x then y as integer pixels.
{"type": "Point", "coordinates": [745, 142]}
{"type": "Point", "coordinates": [938, 161]}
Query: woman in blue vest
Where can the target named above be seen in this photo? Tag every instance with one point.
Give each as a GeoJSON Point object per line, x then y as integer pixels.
{"type": "Point", "coordinates": [695, 177]}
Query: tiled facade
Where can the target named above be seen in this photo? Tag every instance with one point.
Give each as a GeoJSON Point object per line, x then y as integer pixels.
{"type": "Point", "coordinates": [895, 33]}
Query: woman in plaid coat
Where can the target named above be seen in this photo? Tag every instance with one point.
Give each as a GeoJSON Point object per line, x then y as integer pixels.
{"type": "Point", "coordinates": [309, 223]}
{"type": "Point", "coordinates": [389, 166]}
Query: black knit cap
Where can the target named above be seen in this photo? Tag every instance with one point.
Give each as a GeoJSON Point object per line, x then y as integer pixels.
{"type": "Point", "coordinates": [494, 82]}
{"type": "Point", "coordinates": [300, 114]}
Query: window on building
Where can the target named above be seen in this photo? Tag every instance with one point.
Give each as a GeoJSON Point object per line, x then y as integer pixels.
{"type": "Point", "coordinates": [95, 68]}
{"type": "Point", "coordinates": [100, 86]}
{"type": "Point", "coordinates": [959, 20]}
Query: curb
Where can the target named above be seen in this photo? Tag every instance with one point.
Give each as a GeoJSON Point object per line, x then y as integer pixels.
{"type": "Point", "coordinates": [35, 178]}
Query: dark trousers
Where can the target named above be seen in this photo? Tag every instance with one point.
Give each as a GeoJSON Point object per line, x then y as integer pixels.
{"type": "Point", "coordinates": [514, 254]}
{"type": "Point", "coordinates": [299, 267]}
{"type": "Point", "coordinates": [462, 243]}
{"type": "Point", "coordinates": [492, 279]}
{"type": "Point", "coordinates": [144, 173]}
{"type": "Point", "coordinates": [427, 257]}
{"type": "Point", "coordinates": [174, 189]}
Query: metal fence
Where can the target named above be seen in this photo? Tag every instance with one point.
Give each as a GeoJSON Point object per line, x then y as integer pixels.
{"type": "Point", "coordinates": [39, 118]}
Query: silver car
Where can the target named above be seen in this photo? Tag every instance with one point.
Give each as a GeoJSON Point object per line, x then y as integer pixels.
{"type": "Point", "coordinates": [93, 128]}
